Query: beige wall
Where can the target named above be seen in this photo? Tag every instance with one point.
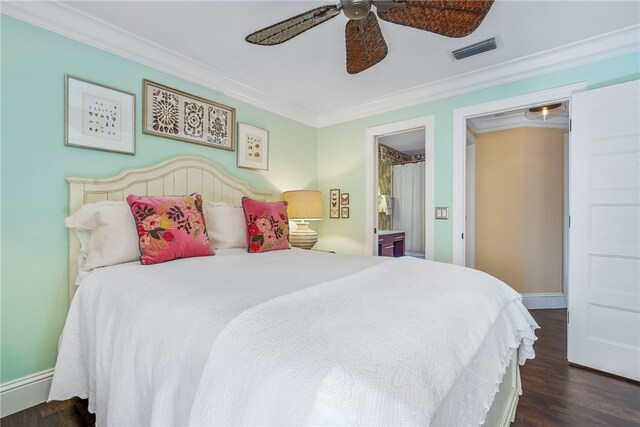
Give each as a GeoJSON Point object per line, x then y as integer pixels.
{"type": "Point", "coordinates": [519, 209]}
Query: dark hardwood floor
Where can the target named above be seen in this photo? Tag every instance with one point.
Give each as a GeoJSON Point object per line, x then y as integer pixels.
{"type": "Point", "coordinates": [71, 413]}
{"type": "Point", "coordinates": [554, 393]}
{"type": "Point", "coordinates": [557, 394]}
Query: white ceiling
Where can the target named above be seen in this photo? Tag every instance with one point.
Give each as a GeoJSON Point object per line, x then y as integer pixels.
{"type": "Point", "coordinates": [409, 142]}
{"type": "Point", "coordinates": [305, 78]}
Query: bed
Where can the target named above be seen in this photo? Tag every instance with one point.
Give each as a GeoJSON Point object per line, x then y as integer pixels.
{"type": "Point", "coordinates": [288, 337]}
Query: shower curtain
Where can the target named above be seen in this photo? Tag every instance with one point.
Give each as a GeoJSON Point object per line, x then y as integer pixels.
{"type": "Point", "coordinates": [408, 209]}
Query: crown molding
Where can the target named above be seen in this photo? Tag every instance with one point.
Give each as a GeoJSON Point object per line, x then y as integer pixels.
{"type": "Point", "coordinates": [64, 20]}
{"type": "Point", "coordinates": [593, 49]}
{"type": "Point", "coordinates": [68, 22]}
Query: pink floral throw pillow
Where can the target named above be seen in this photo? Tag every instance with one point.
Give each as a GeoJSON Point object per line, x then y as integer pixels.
{"type": "Point", "coordinates": [267, 225]}
{"type": "Point", "coordinates": [169, 227]}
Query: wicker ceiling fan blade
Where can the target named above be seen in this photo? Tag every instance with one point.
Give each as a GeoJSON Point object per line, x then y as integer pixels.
{"type": "Point", "coordinates": [451, 18]}
{"type": "Point", "coordinates": [289, 28]}
{"type": "Point", "coordinates": [365, 44]}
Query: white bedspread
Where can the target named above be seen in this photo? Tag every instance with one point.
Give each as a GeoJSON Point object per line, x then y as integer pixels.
{"type": "Point", "coordinates": [257, 339]}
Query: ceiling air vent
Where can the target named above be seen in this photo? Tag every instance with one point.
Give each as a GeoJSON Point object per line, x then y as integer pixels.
{"type": "Point", "coordinates": [474, 49]}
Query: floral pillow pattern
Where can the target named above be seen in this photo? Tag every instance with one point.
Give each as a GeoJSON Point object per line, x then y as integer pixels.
{"type": "Point", "coordinates": [169, 227]}
{"type": "Point", "coordinates": [267, 225]}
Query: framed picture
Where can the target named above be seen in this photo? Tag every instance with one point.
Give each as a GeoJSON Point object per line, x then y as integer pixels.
{"type": "Point", "coordinates": [98, 117]}
{"type": "Point", "coordinates": [173, 114]}
{"type": "Point", "coordinates": [344, 212]}
{"type": "Point", "coordinates": [344, 199]}
{"type": "Point", "coordinates": [253, 147]}
{"type": "Point", "coordinates": [334, 203]}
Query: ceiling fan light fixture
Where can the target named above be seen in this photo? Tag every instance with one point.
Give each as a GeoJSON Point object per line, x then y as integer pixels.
{"type": "Point", "coordinates": [545, 112]}
{"type": "Point", "coordinates": [356, 9]}
{"type": "Point", "coordinates": [365, 45]}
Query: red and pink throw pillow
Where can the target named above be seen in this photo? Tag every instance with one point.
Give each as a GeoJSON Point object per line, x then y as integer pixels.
{"type": "Point", "coordinates": [267, 225]}
{"type": "Point", "coordinates": [169, 227]}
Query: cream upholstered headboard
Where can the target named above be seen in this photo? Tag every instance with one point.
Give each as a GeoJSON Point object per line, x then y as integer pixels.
{"type": "Point", "coordinates": [175, 176]}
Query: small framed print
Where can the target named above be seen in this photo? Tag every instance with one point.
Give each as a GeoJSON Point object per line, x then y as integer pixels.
{"type": "Point", "coordinates": [253, 147]}
{"type": "Point", "coordinates": [98, 117]}
{"type": "Point", "coordinates": [344, 212]}
{"type": "Point", "coordinates": [171, 113]}
{"type": "Point", "coordinates": [344, 199]}
{"type": "Point", "coordinates": [334, 203]}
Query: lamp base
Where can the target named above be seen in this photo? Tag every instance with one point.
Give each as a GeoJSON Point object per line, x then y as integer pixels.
{"type": "Point", "coordinates": [303, 237]}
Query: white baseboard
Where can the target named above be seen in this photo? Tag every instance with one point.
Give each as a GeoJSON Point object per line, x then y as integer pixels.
{"type": "Point", "coordinates": [25, 392]}
{"type": "Point", "coordinates": [544, 300]}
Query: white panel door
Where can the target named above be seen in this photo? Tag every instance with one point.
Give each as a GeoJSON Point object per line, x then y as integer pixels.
{"type": "Point", "coordinates": [604, 255]}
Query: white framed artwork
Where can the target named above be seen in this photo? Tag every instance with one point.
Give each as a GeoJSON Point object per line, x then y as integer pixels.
{"type": "Point", "coordinates": [99, 117]}
{"type": "Point", "coordinates": [171, 113]}
{"type": "Point", "coordinates": [253, 147]}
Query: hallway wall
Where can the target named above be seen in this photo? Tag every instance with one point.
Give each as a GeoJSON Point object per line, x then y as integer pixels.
{"type": "Point", "coordinates": [519, 207]}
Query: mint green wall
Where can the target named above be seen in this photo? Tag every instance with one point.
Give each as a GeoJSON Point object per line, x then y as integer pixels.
{"type": "Point", "coordinates": [341, 148]}
{"type": "Point", "coordinates": [35, 162]}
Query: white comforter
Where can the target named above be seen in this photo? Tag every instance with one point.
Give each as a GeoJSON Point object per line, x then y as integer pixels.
{"type": "Point", "coordinates": [290, 337]}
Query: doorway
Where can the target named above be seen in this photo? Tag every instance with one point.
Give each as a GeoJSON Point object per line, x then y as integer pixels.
{"type": "Point", "coordinates": [515, 200]}
{"type": "Point", "coordinates": [372, 201]}
{"type": "Point", "coordinates": [459, 223]}
{"type": "Point", "coordinates": [400, 186]}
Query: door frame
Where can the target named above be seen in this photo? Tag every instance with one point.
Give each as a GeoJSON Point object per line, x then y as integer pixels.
{"type": "Point", "coordinates": [371, 179]}
{"type": "Point", "coordinates": [458, 226]}
{"type": "Point", "coordinates": [470, 198]}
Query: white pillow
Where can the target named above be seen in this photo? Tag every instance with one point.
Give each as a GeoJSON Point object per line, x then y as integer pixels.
{"type": "Point", "coordinates": [107, 234]}
{"type": "Point", "coordinates": [226, 226]}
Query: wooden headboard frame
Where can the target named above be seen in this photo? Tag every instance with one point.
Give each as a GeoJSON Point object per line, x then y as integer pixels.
{"type": "Point", "coordinates": [175, 176]}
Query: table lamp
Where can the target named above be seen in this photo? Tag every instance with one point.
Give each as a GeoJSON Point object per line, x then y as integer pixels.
{"type": "Point", "coordinates": [304, 206]}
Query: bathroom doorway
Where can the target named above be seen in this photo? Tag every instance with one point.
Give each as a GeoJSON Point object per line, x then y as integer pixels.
{"type": "Point", "coordinates": [401, 195]}
{"type": "Point", "coordinates": [373, 136]}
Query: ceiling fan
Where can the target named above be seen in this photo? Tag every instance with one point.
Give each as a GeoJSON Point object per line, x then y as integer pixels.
{"type": "Point", "coordinates": [364, 41]}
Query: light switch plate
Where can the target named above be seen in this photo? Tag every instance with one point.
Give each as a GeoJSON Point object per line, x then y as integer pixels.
{"type": "Point", "coordinates": [442, 212]}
